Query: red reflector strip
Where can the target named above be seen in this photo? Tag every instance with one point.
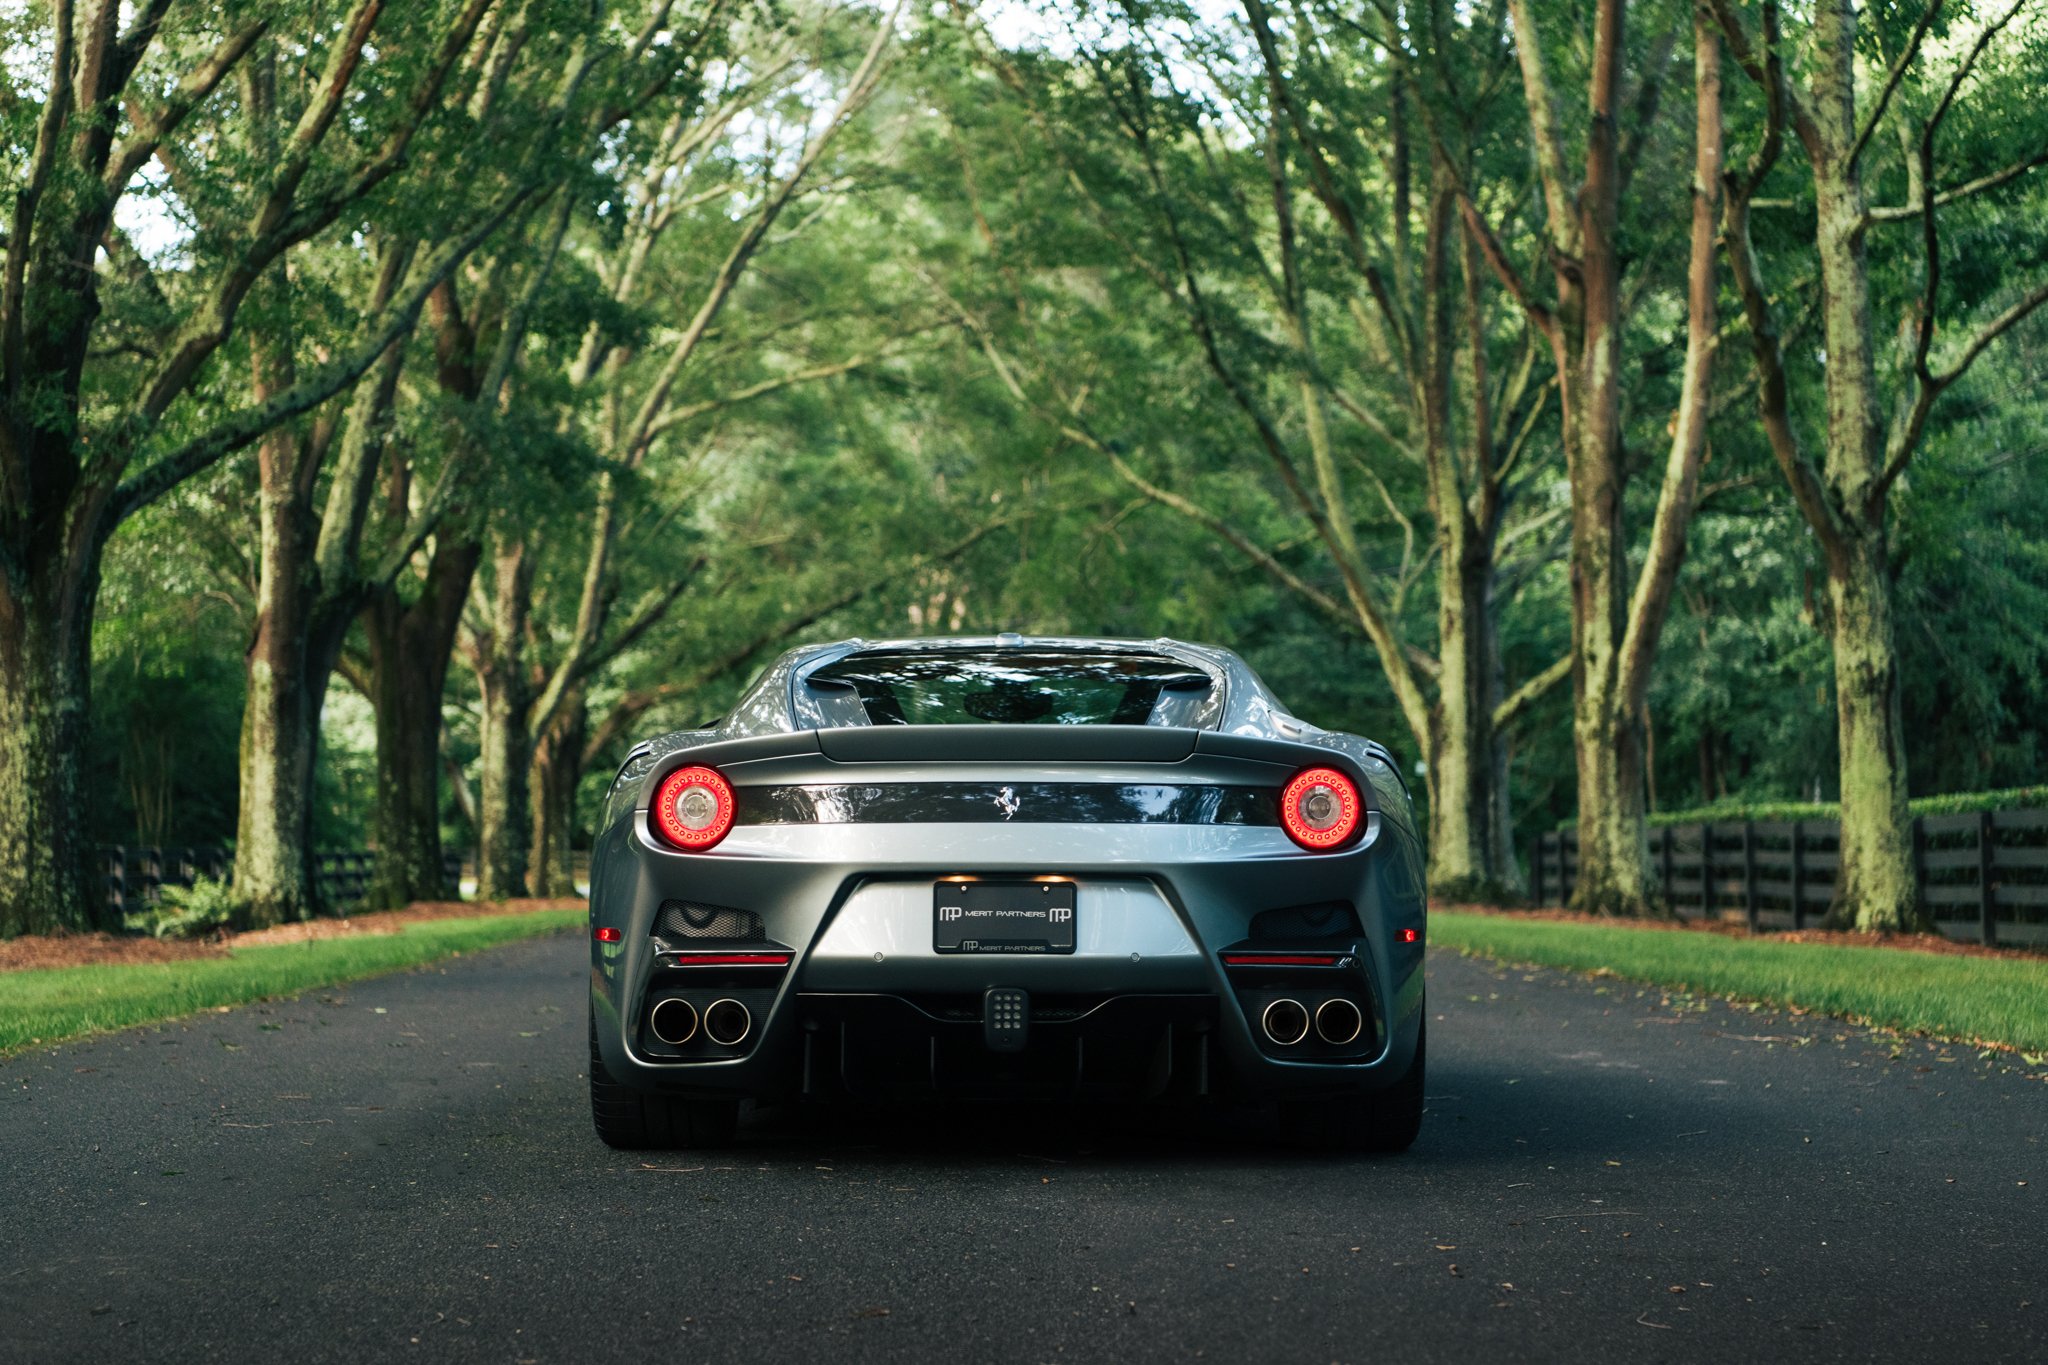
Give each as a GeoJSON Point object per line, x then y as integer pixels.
{"type": "Point", "coordinates": [605, 934]}
{"type": "Point", "coordinates": [1411, 935]}
{"type": "Point", "coordinates": [1280, 959]}
{"type": "Point", "coordinates": [728, 959]}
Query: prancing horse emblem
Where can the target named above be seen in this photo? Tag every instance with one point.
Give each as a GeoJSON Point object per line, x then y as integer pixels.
{"type": "Point", "coordinates": [1007, 802]}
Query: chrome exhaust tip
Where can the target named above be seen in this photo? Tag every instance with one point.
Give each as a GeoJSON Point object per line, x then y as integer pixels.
{"type": "Point", "coordinates": [1285, 1022]}
{"type": "Point", "coordinates": [674, 1021]}
{"type": "Point", "coordinates": [1339, 1022]}
{"type": "Point", "coordinates": [727, 1022]}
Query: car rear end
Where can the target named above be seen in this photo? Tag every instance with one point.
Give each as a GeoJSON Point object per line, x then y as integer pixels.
{"type": "Point", "coordinates": [1112, 912]}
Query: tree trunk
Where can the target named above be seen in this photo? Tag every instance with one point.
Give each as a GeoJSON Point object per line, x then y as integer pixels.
{"type": "Point", "coordinates": [1875, 889]}
{"type": "Point", "coordinates": [409, 653]}
{"type": "Point", "coordinates": [1460, 743]}
{"type": "Point", "coordinates": [504, 821]}
{"type": "Point", "coordinates": [45, 629]}
{"type": "Point", "coordinates": [557, 772]}
{"type": "Point", "coordinates": [1874, 886]}
{"type": "Point", "coordinates": [1513, 885]}
{"type": "Point", "coordinates": [273, 862]}
{"type": "Point", "coordinates": [1614, 860]}
{"type": "Point", "coordinates": [1463, 801]}
{"type": "Point", "coordinates": [287, 692]}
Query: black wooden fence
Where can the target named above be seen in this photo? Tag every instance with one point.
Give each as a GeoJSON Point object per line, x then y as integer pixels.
{"type": "Point", "coordinates": [1983, 876]}
{"type": "Point", "coordinates": [135, 877]}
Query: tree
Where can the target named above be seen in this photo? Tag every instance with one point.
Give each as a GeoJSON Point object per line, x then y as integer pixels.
{"type": "Point", "coordinates": [521, 694]}
{"type": "Point", "coordinates": [1335, 353]}
{"type": "Point", "coordinates": [102, 414]}
{"type": "Point", "coordinates": [1845, 497]}
{"type": "Point", "coordinates": [1615, 628]}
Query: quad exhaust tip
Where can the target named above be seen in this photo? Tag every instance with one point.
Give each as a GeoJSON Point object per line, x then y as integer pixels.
{"type": "Point", "coordinates": [727, 1022]}
{"type": "Point", "coordinates": [1285, 1022]}
{"type": "Point", "coordinates": [1339, 1022]}
{"type": "Point", "coordinates": [674, 1021]}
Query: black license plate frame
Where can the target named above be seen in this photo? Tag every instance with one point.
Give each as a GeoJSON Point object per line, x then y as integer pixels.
{"type": "Point", "coordinates": [1026, 916]}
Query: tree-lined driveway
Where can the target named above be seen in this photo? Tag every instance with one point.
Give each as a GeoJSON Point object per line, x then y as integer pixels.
{"type": "Point", "coordinates": [404, 1170]}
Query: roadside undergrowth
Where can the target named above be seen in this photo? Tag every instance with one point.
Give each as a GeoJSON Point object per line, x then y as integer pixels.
{"type": "Point", "coordinates": [40, 1006]}
{"type": "Point", "coordinates": [1980, 1000]}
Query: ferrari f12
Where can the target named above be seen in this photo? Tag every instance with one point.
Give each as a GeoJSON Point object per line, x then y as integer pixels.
{"type": "Point", "coordinates": [1007, 868]}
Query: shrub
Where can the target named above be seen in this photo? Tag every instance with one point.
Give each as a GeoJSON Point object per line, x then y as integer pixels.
{"type": "Point", "coordinates": [1949, 803]}
{"type": "Point", "coordinates": [205, 907]}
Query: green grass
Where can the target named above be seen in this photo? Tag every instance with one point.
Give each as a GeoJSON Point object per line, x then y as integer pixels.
{"type": "Point", "coordinates": [65, 1002]}
{"type": "Point", "coordinates": [1972, 999]}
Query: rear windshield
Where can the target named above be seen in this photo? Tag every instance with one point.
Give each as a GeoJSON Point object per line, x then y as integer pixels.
{"type": "Point", "coordinates": [1008, 687]}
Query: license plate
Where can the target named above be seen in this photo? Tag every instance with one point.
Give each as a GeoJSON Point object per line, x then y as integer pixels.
{"type": "Point", "coordinates": [1003, 917]}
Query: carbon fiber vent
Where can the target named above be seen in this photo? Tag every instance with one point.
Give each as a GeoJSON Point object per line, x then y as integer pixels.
{"type": "Point", "coordinates": [681, 921]}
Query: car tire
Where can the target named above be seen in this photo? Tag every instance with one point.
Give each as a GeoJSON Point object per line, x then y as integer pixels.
{"type": "Point", "coordinates": [1387, 1121]}
{"type": "Point", "coordinates": [634, 1120]}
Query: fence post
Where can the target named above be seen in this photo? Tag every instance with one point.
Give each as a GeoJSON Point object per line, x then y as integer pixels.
{"type": "Point", "coordinates": [1706, 870]}
{"type": "Point", "coordinates": [1664, 865]}
{"type": "Point", "coordinates": [1987, 889]}
{"type": "Point", "coordinates": [1919, 865]}
{"type": "Point", "coordinates": [1798, 874]}
{"type": "Point", "coordinates": [1749, 872]}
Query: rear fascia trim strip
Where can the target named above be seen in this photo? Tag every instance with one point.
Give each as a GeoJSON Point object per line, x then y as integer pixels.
{"type": "Point", "coordinates": [1093, 803]}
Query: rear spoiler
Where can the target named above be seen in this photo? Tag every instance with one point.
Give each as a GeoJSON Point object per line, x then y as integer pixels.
{"type": "Point", "coordinates": [995, 744]}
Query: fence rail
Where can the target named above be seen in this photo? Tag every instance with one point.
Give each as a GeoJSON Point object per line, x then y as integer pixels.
{"type": "Point", "coordinates": [1983, 876]}
{"type": "Point", "coordinates": [136, 876]}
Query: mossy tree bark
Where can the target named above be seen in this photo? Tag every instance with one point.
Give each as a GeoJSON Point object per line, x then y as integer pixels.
{"type": "Point", "coordinates": [1875, 886]}
{"type": "Point", "coordinates": [1845, 498]}
{"type": "Point", "coordinates": [45, 628]}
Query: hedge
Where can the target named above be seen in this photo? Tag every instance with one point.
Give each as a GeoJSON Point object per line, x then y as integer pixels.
{"type": "Point", "coordinates": [1950, 803]}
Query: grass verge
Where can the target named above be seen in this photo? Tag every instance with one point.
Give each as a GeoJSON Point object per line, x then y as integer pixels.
{"type": "Point", "coordinates": [1970, 999]}
{"type": "Point", "coordinates": [46, 1006]}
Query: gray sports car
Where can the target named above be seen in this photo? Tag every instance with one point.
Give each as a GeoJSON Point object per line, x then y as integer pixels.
{"type": "Point", "coordinates": [1008, 868]}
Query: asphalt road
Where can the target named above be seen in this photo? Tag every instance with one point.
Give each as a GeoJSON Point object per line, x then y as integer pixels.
{"type": "Point", "coordinates": [404, 1170]}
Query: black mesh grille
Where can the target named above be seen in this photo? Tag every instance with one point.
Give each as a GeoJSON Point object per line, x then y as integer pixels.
{"type": "Point", "coordinates": [691, 920]}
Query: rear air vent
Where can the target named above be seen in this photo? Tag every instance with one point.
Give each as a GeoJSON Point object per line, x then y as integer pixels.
{"type": "Point", "coordinates": [1293, 923]}
{"type": "Point", "coordinates": [694, 923]}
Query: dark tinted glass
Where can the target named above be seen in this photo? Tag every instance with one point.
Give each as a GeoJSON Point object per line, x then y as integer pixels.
{"type": "Point", "coordinates": [1007, 687]}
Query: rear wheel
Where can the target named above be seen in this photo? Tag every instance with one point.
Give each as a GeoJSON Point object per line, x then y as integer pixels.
{"type": "Point", "coordinates": [1384, 1122]}
{"type": "Point", "coordinates": [634, 1120]}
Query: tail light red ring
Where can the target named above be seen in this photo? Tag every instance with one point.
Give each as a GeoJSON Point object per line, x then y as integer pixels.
{"type": "Point", "coordinates": [1321, 809]}
{"type": "Point", "coordinates": [694, 808]}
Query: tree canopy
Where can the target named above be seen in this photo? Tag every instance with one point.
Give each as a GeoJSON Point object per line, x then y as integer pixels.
{"type": "Point", "coordinates": [1609, 406]}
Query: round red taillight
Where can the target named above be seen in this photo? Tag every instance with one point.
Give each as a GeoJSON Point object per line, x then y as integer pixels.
{"type": "Point", "coordinates": [1321, 808]}
{"type": "Point", "coordinates": [693, 808]}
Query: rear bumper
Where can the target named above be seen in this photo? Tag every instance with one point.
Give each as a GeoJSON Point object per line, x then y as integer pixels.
{"type": "Point", "coordinates": [1144, 1008]}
